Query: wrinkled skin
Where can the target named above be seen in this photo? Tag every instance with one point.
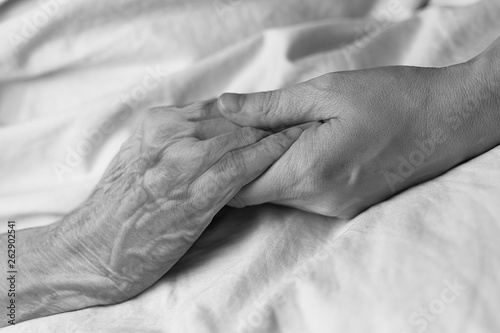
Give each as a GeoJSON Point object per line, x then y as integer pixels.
{"type": "Point", "coordinates": [163, 188]}
{"type": "Point", "coordinates": [167, 183]}
{"type": "Point", "coordinates": [182, 166]}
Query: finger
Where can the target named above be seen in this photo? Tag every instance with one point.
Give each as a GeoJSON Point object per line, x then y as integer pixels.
{"type": "Point", "coordinates": [203, 120]}
{"type": "Point", "coordinates": [286, 179]}
{"type": "Point", "coordinates": [195, 112]}
{"type": "Point", "coordinates": [210, 128]}
{"type": "Point", "coordinates": [218, 146]}
{"type": "Point", "coordinates": [209, 121]}
{"type": "Point", "coordinates": [239, 167]}
{"type": "Point", "coordinates": [278, 109]}
{"type": "Point", "coordinates": [308, 125]}
{"type": "Point", "coordinates": [202, 111]}
{"type": "Point", "coordinates": [162, 123]}
{"type": "Point", "coordinates": [267, 187]}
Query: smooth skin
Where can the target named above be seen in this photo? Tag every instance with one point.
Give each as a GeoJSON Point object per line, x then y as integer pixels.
{"type": "Point", "coordinates": [163, 188]}
{"type": "Point", "coordinates": [375, 132]}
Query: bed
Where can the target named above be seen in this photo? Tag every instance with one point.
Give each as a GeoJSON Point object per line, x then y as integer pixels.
{"type": "Point", "coordinates": [75, 75]}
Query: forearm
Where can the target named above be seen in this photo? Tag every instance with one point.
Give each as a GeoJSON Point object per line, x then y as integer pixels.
{"type": "Point", "coordinates": [52, 275]}
{"type": "Point", "coordinates": [157, 196]}
{"type": "Point", "coordinates": [468, 107]}
{"type": "Point", "coordinates": [486, 68]}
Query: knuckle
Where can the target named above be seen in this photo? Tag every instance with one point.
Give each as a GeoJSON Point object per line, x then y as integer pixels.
{"type": "Point", "coordinates": [238, 201]}
{"type": "Point", "coordinates": [279, 104]}
{"type": "Point", "coordinates": [195, 111]}
{"type": "Point", "coordinates": [270, 103]}
{"type": "Point", "coordinates": [205, 194]}
{"type": "Point", "coordinates": [250, 135]}
{"type": "Point", "coordinates": [155, 114]}
{"type": "Point", "coordinates": [324, 89]}
{"type": "Point", "coordinates": [281, 142]}
{"type": "Point", "coordinates": [325, 83]}
{"type": "Point", "coordinates": [233, 164]}
{"type": "Point", "coordinates": [161, 122]}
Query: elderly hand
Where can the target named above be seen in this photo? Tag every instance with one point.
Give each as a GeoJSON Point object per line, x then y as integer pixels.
{"type": "Point", "coordinates": [160, 192]}
{"type": "Point", "coordinates": [165, 186]}
{"type": "Point", "coordinates": [376, 132]}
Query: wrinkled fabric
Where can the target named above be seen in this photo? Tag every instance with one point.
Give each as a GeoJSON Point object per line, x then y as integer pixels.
{"type": "Point", "coordinates": [76, 75]}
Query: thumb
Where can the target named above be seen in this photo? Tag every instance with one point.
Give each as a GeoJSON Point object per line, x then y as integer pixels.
{"type": "Point", "coordinates": [277, 109]}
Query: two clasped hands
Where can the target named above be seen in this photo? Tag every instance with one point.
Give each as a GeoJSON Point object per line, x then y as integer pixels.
{"type": "Point", "coordinates": [332, 145]}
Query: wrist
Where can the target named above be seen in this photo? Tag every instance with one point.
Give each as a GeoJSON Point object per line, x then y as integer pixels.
{"type": "Point", "coordinates": [57, 277]}
{"type": "Point", "coordinates": [86, 243]}
{"type": "Point", "coordinates": [481, 83]}
{"type": "Point", "coordinates": [468, 108]}
{"type": "Point", "coordinates": [104, 235]}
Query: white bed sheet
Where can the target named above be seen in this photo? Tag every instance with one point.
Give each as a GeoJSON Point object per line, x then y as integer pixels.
{"type": "Point", "coordinates": [265, 268]}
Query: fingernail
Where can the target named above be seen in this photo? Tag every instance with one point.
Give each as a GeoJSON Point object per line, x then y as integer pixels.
{"type": "Point", "coordinates": [230, 102]}
{"type": "Point", "coordinates": [293, 133]}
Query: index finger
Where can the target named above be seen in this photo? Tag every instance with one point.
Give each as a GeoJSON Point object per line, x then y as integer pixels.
{"type": "Point", "coordinates": [236, 168]}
